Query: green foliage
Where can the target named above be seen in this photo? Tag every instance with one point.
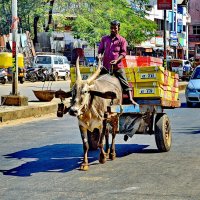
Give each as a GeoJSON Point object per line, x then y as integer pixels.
{"type": "Point", "coordinates": [27, 9]}
{"type": "Point", "coordinates": [91, 18]}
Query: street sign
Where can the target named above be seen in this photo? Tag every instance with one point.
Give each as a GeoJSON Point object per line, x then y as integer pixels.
{"type": "Point", "coordinates": [164, 4]}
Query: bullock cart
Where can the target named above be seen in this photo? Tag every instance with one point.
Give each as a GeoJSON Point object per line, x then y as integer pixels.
{"type": "Point", "coordinates": [148, 117]}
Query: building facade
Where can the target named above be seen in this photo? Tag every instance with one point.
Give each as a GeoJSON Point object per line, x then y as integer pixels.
{"type": "Point", "coordinates": [177, 21]}
{"type": "Point", "coordinates": [194, 27]}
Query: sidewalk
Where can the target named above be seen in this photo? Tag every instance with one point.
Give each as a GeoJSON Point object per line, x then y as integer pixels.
{"type": "Point", "coordinates": [38, 109]}
{"type": "Point", "coordinates": [34, 109]}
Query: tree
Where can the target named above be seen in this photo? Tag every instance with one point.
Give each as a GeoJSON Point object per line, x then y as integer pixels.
{"type": "Point", "coordinates": [93, 18]}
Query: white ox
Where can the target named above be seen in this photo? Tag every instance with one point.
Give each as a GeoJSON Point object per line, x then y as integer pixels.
{"type": "Point", "coordinates": [89, 102]}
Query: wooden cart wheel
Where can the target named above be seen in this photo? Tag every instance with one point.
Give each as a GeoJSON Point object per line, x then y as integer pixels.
{"type": "Point", "coordinates": [163, 134]}
{"type": "Point", "coordinates": [93, 139]}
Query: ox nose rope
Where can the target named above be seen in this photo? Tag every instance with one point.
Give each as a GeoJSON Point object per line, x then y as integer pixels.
{"type": "Point", "coordinates": [111, 70]}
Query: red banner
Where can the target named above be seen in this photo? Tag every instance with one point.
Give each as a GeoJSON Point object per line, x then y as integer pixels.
{"type": "Point", "coordinates": [164, 4]}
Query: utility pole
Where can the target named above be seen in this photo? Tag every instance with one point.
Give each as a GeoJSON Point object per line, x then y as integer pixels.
{"type": "Point", "coordinates": [14, 48]}
{"type": "Point", "coordinates": [14, 99]}
{"type": "Point", "coordinates": [164, 5]}
{"type": "Point", "coordinates": [165, 40]}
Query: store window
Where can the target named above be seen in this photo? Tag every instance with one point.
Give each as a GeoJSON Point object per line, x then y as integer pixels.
{"type": "Point", "coordinates": [196, 30]}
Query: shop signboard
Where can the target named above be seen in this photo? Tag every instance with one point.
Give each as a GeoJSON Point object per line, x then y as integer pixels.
{"type": "Point", "coordinates": [164, 4]}
{"type": "Point", "coordinates": [173, 35]}
{"type": "Point", "coordinates": [159, 41]}
{"type": "Point", "coordinates": [194, 38]}
{"type": "Point", "coordinates": [174, 42]}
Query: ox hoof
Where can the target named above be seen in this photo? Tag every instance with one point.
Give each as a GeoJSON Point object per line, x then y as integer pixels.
{"type": "Point", "coordinates": [112, 156]}
{"type": "Point", "coordinates": [107, 153]}
{"type": "Point", "coordinates": [84, 167]}
{"type": "Point", "coordinates": [59, 114]}
{"type": "Point", "coordinates": [102, 158]}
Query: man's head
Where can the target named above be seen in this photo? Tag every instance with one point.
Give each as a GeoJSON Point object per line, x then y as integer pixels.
{"type": "Point", "coordinates": [114, 27]}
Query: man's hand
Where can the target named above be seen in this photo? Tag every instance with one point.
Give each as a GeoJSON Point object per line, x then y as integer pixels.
{"type": "Point", "coordinates": [100, 57]}
{"type": "Point", "coordinates": [113, 62]}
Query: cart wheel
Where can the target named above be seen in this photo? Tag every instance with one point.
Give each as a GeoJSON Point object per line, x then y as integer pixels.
{"type": "Point", "coordinates": [93, 139]}
{"type": "Point", "coordinates": [163, 134]}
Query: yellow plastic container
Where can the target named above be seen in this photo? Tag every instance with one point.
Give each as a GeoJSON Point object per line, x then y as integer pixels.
{"type": "Point", "coordinates": [85, 72]}
{"type": "Point", "coordinates": [6, 60]}
{"type": "Point", "coordinates": [148, 92]}
{"type": "Point", "coordinates": [175, 79]}
{"type": "Point", "coordinates": [175, 96]}
{"type": "Point", "coordinates": [146, 74]}
{"type": "Point", "coordinates": [175, 93]}
{"type": "Point", "coordinates": [130, 75]}
{"type": "Point", "coordinates": [170, 81]}
{"type": "Point", "coordinates": [152, 90]}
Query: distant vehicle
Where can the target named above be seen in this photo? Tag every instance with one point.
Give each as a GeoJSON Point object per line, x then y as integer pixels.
{"type": "Point", "coordinates": [6, 62]}
{"type": "Point", "coordinates": [3, 75]}
{"type": "Point", "coordinates": [59, 65]}
{"type": "Point", "coordinates": [182, 67]}
{"type": "Point", "coordinates": [192, 92]}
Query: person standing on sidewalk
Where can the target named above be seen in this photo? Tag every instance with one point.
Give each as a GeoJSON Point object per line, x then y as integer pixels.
{"type": "Point", "coordinates": [112, 50]}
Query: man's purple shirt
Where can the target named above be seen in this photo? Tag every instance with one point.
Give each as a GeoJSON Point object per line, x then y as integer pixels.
{"type": "Point", "coordinates": [112, 49]}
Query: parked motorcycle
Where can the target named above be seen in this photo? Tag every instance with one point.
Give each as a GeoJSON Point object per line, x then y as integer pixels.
{"type": "Point", "coordinates": [30, 74]}
{"type": "Point", "coordinates": [3, 76]}
{"type": "Point", "coordinates": [50, 75]}
{"type": "Point", "coordinates": [39, 74]}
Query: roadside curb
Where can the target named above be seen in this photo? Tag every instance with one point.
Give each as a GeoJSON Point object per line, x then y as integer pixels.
{"type": "Point", "coordinates": [36, 110]}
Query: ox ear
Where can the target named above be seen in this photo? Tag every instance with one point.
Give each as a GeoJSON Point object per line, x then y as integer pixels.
{"type": "Point", "coordinates": [62, 94]}
{"type": "Point", "coordinates": [105, 95]}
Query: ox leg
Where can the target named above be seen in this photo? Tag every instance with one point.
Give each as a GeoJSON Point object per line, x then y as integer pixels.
{"type": "Point", "coordinates": [107, 143]}
{"type": "Point", "coordinates": [112, 154]}
{"type": "Point", "coordinates": [102, 156]}
{"type": "Point", "coordinates": [84, 166]}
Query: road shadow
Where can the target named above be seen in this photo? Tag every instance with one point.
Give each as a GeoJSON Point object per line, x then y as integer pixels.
{"type": "Point", "coordinates": [59, 158]}
{"type": "Point", "coordinates": [195, 105]}
{"type": "Point", "coordinates": [196, 132]}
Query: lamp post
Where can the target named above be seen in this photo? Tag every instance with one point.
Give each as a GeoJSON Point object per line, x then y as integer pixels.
{"type": "Point", "coordinates": [165, 40]}
{"type": "Point", "coordinates": [14, 99]}
{"type": "Point", "coordinates": [14, 28]}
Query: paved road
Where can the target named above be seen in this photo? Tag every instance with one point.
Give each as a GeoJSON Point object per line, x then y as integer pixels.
{"type": "Point", "coordinates": [40, 159]}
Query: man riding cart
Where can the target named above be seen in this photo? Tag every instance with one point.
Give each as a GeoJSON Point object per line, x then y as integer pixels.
{"type": "Point", "coordinates": [97, 101]}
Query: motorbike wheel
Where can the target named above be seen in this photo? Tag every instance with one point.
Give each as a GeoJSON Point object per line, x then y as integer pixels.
{"type": "Point", "coordinates": [43, 77]}
{"type": "Point", "coordinates": [51, 77]}
{"type": "Point", "coordinates": [56, 76]}
{"type": "Point", "coordinates": [33, 77]}
{"type": "Point", "coordinates": [3, 81]}
{"type": "Point", "coordinates": [9, 79]}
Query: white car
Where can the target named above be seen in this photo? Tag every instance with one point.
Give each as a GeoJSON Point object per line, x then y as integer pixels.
{"type": "Point", "coordinates": [192, 92]}
{"type": "Point", "coordinates": [59, 65]}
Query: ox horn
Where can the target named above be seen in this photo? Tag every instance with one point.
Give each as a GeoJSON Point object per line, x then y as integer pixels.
{"type": "Point", "coordinates": [96, 73]}
{"type": "Point", "coordinates": [78, 73]}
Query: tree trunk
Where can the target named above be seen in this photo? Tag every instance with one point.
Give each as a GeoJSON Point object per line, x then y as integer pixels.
{"type": "Point", "coordinates": [50, 15]}
{"type": "Point", "coordinates": [36, 19]}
